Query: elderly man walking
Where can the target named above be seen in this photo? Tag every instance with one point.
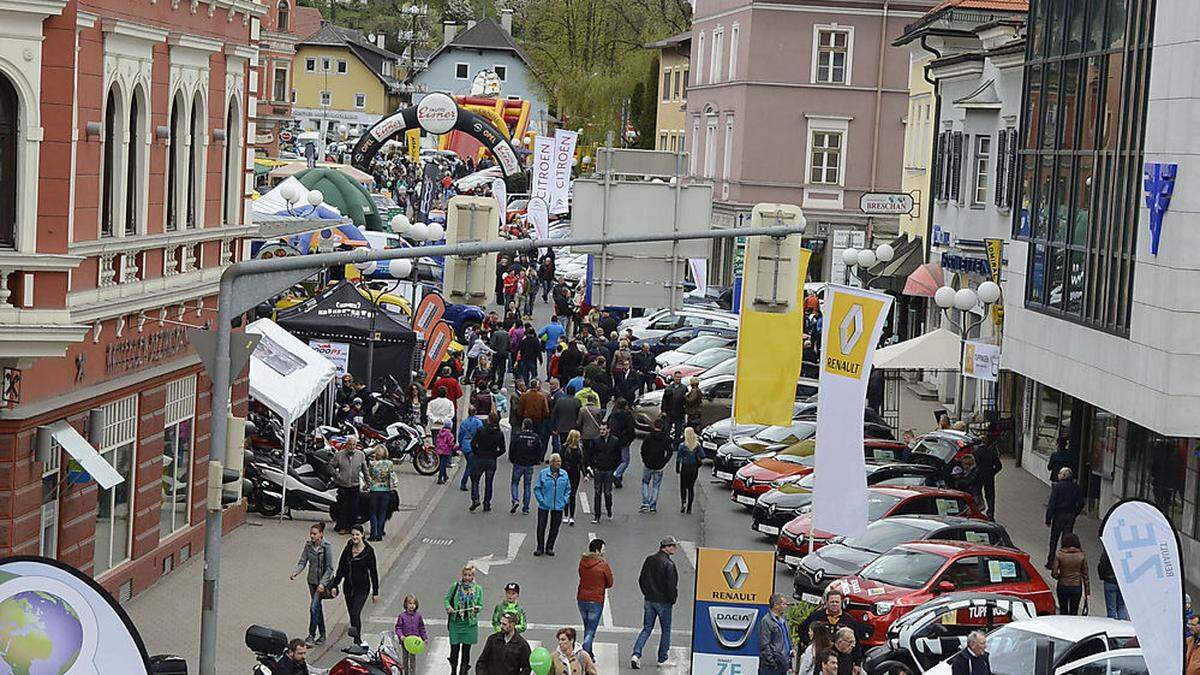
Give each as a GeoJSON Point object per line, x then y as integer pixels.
{"type": "Point", "coordinates": [774, 642]}
{"type": "Point", "coordinates": [346, 467]}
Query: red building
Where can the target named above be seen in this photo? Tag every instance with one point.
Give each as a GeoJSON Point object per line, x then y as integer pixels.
{"type": "Point", "coordinates": [284, 23]}
{"type": "Point", "coordinates": [123, 138]}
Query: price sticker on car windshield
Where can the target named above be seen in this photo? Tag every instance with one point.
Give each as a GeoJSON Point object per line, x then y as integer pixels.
{"type": "Point", "coordinates": [976, 537]}
{"type": "Point", "coordinates": [1008, 569]}
{"type": "Point", "coordinates": [947, 507]}
{"type": "Point", "coordinates": [994, 574]}
{"type": "Point", "coordinates": [888, 455]}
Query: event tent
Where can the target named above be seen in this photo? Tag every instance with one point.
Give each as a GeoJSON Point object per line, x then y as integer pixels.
{"type": "Point", "coordinates": [286, 375]}
{"type": "Point", "coordinates": [938, 349]}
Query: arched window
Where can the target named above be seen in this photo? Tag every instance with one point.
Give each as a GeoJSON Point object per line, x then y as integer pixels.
{"type": "Point", "coordinates": [284, 16]}
{"type": "Point", "coordinates": [195, 173]}
{"type": "Point", "coordinates": [135, 164]}
{"type": "Point", "coordinates": [231, 196]}
{"type": "Point", "coordinates": [109, 188]}
{"type": "Point", "coordinates": [8, 163]}
{"type": "Point", "coordinates": [173, 155]}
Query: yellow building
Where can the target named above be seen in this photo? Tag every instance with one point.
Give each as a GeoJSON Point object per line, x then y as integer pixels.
{"type": "Point", "coordinates": [340, 77]}
{"type": "Point", "coordinates": [672, 92]}
{"type": "Point", "coordinates": [918, 144]}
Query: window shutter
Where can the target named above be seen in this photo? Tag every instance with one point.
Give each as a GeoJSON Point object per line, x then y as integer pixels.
{"type": "Point", "coordinates": [938, 173]}
{"type": "Point", "coordinates": [956, 167]}
{"type": "Point", "coordinates": [1001, 167]}
{"type": "Point", "coordinates": [1013, 171]}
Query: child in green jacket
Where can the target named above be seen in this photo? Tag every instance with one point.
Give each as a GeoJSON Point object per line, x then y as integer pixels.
{"type": "Point", "coordinates": [512, 592]}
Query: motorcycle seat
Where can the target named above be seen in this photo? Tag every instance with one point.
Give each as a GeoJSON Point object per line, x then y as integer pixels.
{"type": "Point", "coordinates": [313, 482]}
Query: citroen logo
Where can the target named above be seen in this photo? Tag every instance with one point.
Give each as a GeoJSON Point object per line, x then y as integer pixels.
{"type": "Point", "coordinates": [736, 572]}
{"type": "Point", "coordinates": [732, 625]}
{"type": "Point", "coordinates": [851, 328]}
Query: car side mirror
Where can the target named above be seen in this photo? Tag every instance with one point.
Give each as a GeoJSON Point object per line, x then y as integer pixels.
{"type": "Point", "coordinates": [944, 587]}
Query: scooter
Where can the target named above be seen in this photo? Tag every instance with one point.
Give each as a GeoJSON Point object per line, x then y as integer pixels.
{"type": "Point", "coordinates": [304, 492]}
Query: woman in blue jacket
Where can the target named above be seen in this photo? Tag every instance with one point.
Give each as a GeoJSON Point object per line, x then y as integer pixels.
{"type": "Point", "coordinates": [551, 490]}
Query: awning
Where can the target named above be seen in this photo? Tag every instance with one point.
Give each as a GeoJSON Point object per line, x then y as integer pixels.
{"type": "Point", "coordinates": [925, 280]}
{"type": "Point", "coordinates": [286, 375]}
{"type": "Point", "coordinates": [908, 256]}
{"type": "Point", "coordinates": [938, 349]}
{"type": "Point", "coordinates": [81, 451]}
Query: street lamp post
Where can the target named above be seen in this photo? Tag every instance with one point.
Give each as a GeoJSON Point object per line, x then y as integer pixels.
{"type": "Point", "coordinates": [866, 259]}
{"type": "Point", "coordinates": [965, 299]}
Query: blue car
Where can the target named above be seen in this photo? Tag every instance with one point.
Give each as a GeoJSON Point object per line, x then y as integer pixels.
{"type": "Point", "coordinates": [677, 337]}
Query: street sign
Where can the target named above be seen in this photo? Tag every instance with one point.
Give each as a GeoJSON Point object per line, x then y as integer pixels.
{"type": "Point", "coordinates": [886, 203]}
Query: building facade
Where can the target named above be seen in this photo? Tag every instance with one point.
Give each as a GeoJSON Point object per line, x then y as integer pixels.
{"type": "Point", "coordinates": [343, 79]}
{"type": "Point", "coordinates": [486, 45]}
{"type": "Point", "coordinates": [799, 102]}
{"type": "Point", "coordinates": [670, 121]}
{"type": "Point", "coordinates": [285, 22]}
{"type": "Point", "coordinates": [122, 196]}
{"type": "Point", "coordinates": [1101, 313]}
{"type": "Point", "coordinates": [919, 126]}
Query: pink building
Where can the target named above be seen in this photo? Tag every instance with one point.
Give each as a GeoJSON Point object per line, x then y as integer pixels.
{"type": "Point", "coordinates": [801, 102]}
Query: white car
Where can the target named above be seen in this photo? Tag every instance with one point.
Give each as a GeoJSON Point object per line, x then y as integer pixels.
{"type": "Point", "coordinates": [664, 321]}
{"type": "Point", "coordinates": [1080, 645]}
{"type": "Point", "coordinates": [691, 348]}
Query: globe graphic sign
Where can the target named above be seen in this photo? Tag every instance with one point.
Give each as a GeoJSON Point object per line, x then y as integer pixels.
{"type": "Point", "coordinates": [40, 634]}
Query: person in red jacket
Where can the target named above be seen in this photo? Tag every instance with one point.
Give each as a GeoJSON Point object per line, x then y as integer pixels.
{"type": "Point", "coordinates": [595, 578]}
{"type": "Point", "coordinates": [454, 390]}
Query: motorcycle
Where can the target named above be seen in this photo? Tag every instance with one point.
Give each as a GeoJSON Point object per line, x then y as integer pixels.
{"type": "Point", "coordinates": [269, 645]}
{"type": "Point", "coordinates": [401, 439]}
{"type": "Point", "coordinates": [305, 491]}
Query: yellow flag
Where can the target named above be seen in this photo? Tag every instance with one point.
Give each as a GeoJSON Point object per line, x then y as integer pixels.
{"type": "Point", "coordinates": [770, 354]}
{"type": "Point", "coordinates": [413, 141]}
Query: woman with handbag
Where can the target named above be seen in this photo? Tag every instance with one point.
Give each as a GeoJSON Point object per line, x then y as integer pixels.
{"type": "Point", "coordinates": [463, 603]}
{"type": "Point", "coordinates": [357, 569]}
{"type": "Point", "coordinates": [317, 556]}
{"type": "Point", "coordinates": [1070, 567]}
{"type": "Point", "coordinates": [382, 483]}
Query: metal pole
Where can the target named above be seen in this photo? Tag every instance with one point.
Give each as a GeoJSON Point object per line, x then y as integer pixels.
{"type": "Point", "coordinates": [371, 343]}
{"type": "Point", "coordinates": [315, 262]}
{"type": "Point", "coordinates": [287, 454]}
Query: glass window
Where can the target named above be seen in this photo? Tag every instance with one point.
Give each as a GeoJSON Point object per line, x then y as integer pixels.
{"type": "Point", "coordinates": [833, 51]}
{"type": "Point", "coordinates": [904, 568]}
{"type": "Point", "coordinates": [284, 13]}
{"type": "Point", "coordinates": [341, 67]}
{"type": "Point", "coordinates": [461, 70]}
{"type": "Point", "coordinates": [1075, 27]}
{"type": "Point", "coordinates": [179, 416]}
{"type": "Point", "coordinates": [48, 534]}
{"type": "Point", "coordinates": [195, 164]}
{"type": "Point", "coordinates": [8, 163]}
{"type": "Point", "coordinates": [501, 72]}
{"type": "Point", "coordinates": [683, 88]}
{"type": "Point", "coordinates": [666, 85]}
{"type": "Point", "coordinates": [108, 202]}
{"type": "Point", "coordinates": [115, 504]}
{"type": "Point", "coordinates": [1070, 103]}
{"type": "Point", "coordinates": [884, 535]}
{"type": "Point", "coordinates": [134, 164]}
{"type": "Point", "coordinates": [279, 88]}
{"type": "Point", "coordinates": [983, 153]}
{"type": "Point", "coordinates": [970, 572]}
{"type": "Point", "coordinates": [360, 100]}
{"type": "Point", "coordinates": [826, 157]}
{"type": "Point", "coordinates": [310, 65]}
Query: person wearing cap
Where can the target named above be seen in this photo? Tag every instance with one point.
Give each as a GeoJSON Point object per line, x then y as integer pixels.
{"type": "Point", "coordinates": [509, 605]}
{"type": "Point", "coordinates": [659, 582]}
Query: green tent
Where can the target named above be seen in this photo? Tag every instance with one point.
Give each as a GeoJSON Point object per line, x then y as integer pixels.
{"type": "Point", "coordinates": [347, 196]}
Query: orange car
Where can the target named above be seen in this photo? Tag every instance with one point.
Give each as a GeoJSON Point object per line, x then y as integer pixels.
{"type": "Point", "coordinates": [755, 478]}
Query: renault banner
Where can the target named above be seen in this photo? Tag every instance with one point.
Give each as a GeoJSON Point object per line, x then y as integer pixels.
{"type": "Point", "coordinates": [1144, 550]}
{"type": "Point", "coordinates": [853, 321]}
{"type": "Point", "coordinates": [770, 353]}
{"type": "Point", "coordinates": [733, 593]}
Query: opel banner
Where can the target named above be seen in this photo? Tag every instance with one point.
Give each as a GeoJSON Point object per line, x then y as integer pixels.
{"type": "Point", "coordinates": [853, 321]}
{"type": "Point", "coordinates": [733, 593]}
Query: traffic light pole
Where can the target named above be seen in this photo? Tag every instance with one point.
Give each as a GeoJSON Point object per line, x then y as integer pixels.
{"type": "Point", "coordinates": [248, 283]}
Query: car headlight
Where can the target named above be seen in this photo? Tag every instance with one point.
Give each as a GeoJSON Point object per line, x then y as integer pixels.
{"type": "Point", "coordinates": [883, 608]}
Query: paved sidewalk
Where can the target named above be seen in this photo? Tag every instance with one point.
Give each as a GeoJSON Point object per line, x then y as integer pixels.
{"type": "Point", "coordinates": [256, 560]}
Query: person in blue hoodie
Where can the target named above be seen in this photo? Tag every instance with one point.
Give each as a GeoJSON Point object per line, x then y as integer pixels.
{"type": "Point", "coordinates": [552, 489]}
{"type": "Point", "coordinates": [466, 434]}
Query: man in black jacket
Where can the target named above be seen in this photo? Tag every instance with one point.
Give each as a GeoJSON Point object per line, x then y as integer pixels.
{"type": "Point", "coordinates": [487, 446]}
{"type": "Point", "coordinates": [526, 452]}
{"type": "Point", "coordinates": [620, 420]}
{"type": "Point", "coordinates": [832, 613]}
{"type": "Point", "coordinates": [500, 342]}
{"type": "Point", "coordinates": [659, 582]}
{"type": "Point", "coordinates": [293, 661]}
{"type": "Point", "coordinates": [603, 458]}
{"type": "Point", "coordinates": [1061, 510]}
{"type": "Point", "coordinates": [1061, 458]}
{"type": "Point", "coordinates": [988, 462]}
{"type": "Point", "coordinates": [643, 365]}
{"type": "Point", "coordinates": [529, 351]}
{"type": "Point", "coordinates": [656, 452]}
{"type": "Point", "coordinates": [505, 652]}
{"type": "Point", "coordinates": [672, 407]}
{"type": "Point", "coordinates": [974, 659]}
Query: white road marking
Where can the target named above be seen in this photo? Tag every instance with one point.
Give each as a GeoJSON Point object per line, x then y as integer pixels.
{"type": "Point", "coordinates": [515, 539]}
{"type": "Point", "coordinates": [584, 504]}
{"type": "Point", "coordinates": [689, 551]}
{"type": "Point", "coordinates": [616, 630]}
{"type": "Point", "coordinates": [608, 656]}
{"type": "Point", "coordinates": [606, 617]}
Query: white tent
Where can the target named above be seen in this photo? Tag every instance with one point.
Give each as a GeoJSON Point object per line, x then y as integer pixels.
{"type": "Point", "coordinates": [286, 375]}
{"type": "Point", "coordinates": [936, 350]}
{"type": "Point", "coordinates": [272, 202]}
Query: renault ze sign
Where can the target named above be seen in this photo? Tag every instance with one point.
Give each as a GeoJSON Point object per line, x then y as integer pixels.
{"type": "Point", "coordinates": [733, 592]}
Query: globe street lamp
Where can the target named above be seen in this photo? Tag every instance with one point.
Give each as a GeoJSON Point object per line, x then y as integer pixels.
{"type": "Point", "coordinates": [964, 300]}
{"type": "Point", "coordinates": [866, 259]}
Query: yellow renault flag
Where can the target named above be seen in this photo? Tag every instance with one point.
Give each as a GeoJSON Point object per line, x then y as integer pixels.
{"type": "Point", "coordinates": [770, 353]}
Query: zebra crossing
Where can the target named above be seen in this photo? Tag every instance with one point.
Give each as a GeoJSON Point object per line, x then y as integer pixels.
{"type": "Point", "coordinates": [608, 656]}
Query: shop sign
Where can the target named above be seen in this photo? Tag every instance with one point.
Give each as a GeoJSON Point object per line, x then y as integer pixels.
{"type": "Point", "coordinates": [939, 237]}
{"type": "Point", "coordinates": [127, 355]}
{"type": "Point", "coordinates": [733, 591]}
{"type": "Point", "coordinates": [962, 263]}
{"type": "Point", "coordinates": [981, 360]}
{"type": "Point", "coordinates": [886, 203]}
{"type": "Point", "coordinates": [11, 386]}
{"type": "Point", "coordinates": [437, 113]}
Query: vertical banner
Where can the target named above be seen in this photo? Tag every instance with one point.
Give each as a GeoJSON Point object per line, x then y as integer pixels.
{"type": "Point", "coordinates": [770, 354]}
{"type": "Point", "coordinates": [1144, 550]}
{"type": "Point", "coordinates": [564, 157]}
{"type": "Point", "coordinates": [699, 267]}
{"type": "Point", "coordinates": [428, 313]}
{"type": "Point", "coordinates": [500, 192]}
{"type": "Point", "coordinates": [541, 174]}
{"type": "Point", "coordinates": [995, 258]}
{"type": "Point", "coordinates": [412, 142]}
{"type": "Point", "coordinates": [537, 215]}
{"type": "Point", "coordinates": [436, 346]}
{"type": "Point", "coordinates": [733, 593]}
{"type": "Point", "coordinates": [853, 321]}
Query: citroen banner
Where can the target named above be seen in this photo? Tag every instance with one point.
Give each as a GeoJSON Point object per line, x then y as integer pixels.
{"type": "Point", "coordinates": [853, 321]}
{"type": "Point", "coordinates": [733, 593]}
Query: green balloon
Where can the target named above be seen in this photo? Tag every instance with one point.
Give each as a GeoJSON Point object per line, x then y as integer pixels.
{"type": "Point", "coordinates": [413, 644]}
{"type": "Point", "coordinates": [539, 660]}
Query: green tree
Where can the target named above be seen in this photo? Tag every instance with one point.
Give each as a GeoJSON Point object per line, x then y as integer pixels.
{"type": "Point", "coordinates": [643, 103]}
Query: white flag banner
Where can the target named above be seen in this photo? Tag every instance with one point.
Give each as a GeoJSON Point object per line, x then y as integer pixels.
{"type": "Point", "coordinates": [500, 192]}
{"type": "Point", "coordinates": [1144, 551]}
{"type": "Point", "coordinates": [699, 273]}
{"type": "Point", "coordinates": [564, 157]}
{"type": "Point", "coordinates": [853, 321]}
{"type": "Point", "coordinates": [538, 216]}
{"type": "Point", "coordinates": [541, 175]}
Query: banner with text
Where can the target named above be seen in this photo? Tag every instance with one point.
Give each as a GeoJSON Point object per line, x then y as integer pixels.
{"type": "Point", "coordinates": [733, 593]}
{"type": "Point", "coordinates": [853, 321]}
{"type": "Point", "coordinates": [541, 174]}
{"type": "Point", "coordinates": [338, 353]}
{"type": "Point", "coordinates": [1144, 550]}
{"type": "Point", "coordinates": [564, 158]}
{"type": "Point", "coordinates": [981, 360]}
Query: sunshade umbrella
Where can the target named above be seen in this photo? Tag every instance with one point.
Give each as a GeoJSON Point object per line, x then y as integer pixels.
{"type": "Point", "coordinates": [925, 280]}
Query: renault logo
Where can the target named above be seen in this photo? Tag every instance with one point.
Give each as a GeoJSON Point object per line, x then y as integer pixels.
{"type": "Point", "coordinates": [851, 328]}
{"type": "Point", "coordinates": [736, 572]}
{"type": "Point", "coordinates": [732, 625]}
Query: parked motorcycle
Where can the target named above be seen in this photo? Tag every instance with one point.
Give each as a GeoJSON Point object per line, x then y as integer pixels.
{"type": "Point", "coordinates": [269, 645]}
{"type": "Point", "coordinates": [402, 440]}
{"type": "Point", "coordinates": [305, 492]}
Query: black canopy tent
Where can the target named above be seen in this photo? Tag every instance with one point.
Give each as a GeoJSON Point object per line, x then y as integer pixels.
{"type": "Point", "coordinates": [341, 313]}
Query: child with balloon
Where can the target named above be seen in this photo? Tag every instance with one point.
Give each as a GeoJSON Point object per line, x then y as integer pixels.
{"type": "Point", "coordinates": [410, 629]}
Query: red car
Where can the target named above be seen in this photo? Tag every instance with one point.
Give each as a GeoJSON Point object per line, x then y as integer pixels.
{"type": "Point", "coordinates": [910, 574]}
{"type": "Point", "coordinates": [755, 478]}
{"type": "Point", "coordinates": [881, 502]}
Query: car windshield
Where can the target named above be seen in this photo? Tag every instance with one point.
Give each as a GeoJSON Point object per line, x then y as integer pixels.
{"type": "Point", "coordinates": [1013, 650]}
{"type": "Point", "coordinates": [383, 201]}
{"type": "Point", "coordinates": [699, 344]}
{"type": "Point", "coordinates": [797, 431]}
{"type": "Point", "coordinates": [884, 535]}
{"type": "Point", "coordinates": [710, 357]}
{"type": "Point", "coordinates": [940, 448]}
{"type": "Point", "coordinates": [879, 505]}
{"type": "Point", "coordinates": [905, 568]}
{"type": "Point", "coordinates": [726, 367]}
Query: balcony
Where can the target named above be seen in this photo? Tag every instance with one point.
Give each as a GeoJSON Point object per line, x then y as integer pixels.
{"type": "Point", "coordinates": [26, 331]}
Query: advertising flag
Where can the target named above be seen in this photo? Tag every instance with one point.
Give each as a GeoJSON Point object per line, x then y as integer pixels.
{"type": "Point", "coordinates": [500, 192]}
{"type": "Point", "coordinates": [564, 157]}
{"type": "Point", "coordinates": [538, 217]}
{"type": "Point", "coordinates": [437, 343]}
{"type": "Point", "coordinates": [429, 312]}
{"type": "Point", "coordinates": [770, 353]}
{"type": "Point", "coordinates": [1144, 550]}
{"type": "Point", "coordinates": [412, 140]}
{"type": "Point", "coordinates": [541, 174]}
{"type": "Point", "coordinates": [699, 268]}
{"type": "Point", "coordinates": [853, 321]}
{"type": "Point", "coordinates": [733, 594]}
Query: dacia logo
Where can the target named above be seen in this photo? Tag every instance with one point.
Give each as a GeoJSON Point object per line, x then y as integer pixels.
{"type": "Point", "coordinates": [732, 625]}
{"type": "Point", "coordinates": [736, 572]}
{"type": "Point", "coordinates": [850, 330]}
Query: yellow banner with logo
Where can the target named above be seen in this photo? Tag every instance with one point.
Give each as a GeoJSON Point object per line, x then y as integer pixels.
{"type": "Point", "coordinates": [770, 353]}
{"type": "Point", "coordinates": [739, 577]}
{"type": "Point", "coordinates": [412, 139]}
